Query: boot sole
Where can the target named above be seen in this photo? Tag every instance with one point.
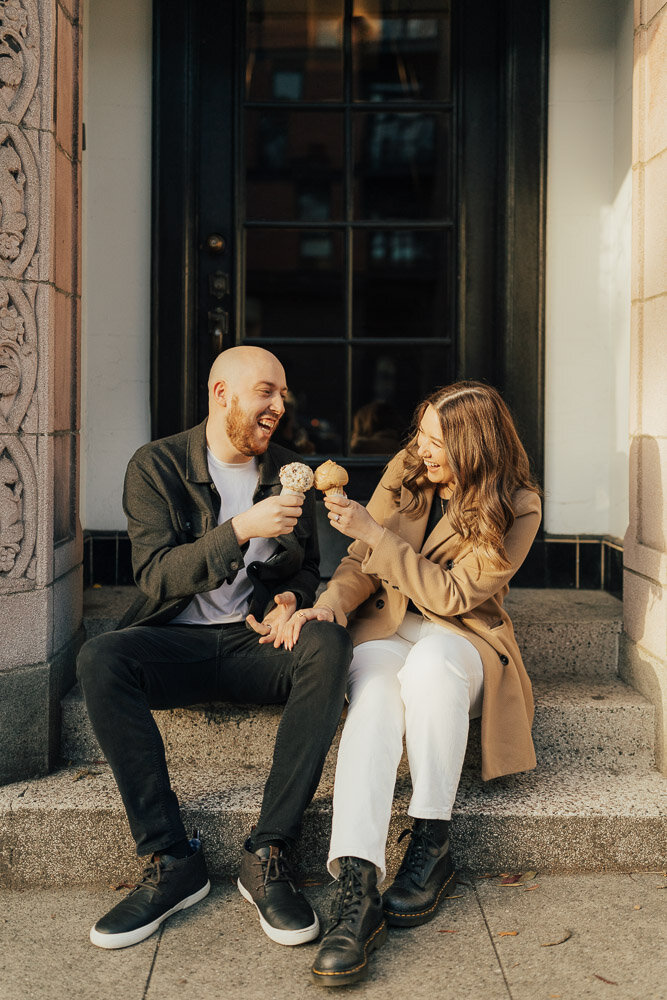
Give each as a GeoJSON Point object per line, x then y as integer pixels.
{"type": "Point", "coordinates": [349, 976]}
{"type": "Point", "coordinates": [395, 919]}
{"type": "Point", "coordinates": [127, 938]}
{"type": "Point", "coordinates": [290, 938]}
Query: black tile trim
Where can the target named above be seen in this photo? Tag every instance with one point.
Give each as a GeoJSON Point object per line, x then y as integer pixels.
{"type": "Point", "coordinates": [587, 562]}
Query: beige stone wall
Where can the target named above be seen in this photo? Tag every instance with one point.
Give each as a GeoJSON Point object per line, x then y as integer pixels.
{"type": "Point", "coordinates": [40, 535]}
{"type": "Point", "coordinates": [645, 555]}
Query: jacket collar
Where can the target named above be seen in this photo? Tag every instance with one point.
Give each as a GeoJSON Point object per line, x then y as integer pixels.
{"type": "Point", "coordinates": [197, 460]}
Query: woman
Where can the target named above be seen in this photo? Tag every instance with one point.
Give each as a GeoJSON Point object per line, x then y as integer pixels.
{"type": "Point", "coordinates": [448, 526]}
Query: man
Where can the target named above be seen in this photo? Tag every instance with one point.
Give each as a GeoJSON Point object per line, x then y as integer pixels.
{"type": "Point", "coordinates": [219, 556]}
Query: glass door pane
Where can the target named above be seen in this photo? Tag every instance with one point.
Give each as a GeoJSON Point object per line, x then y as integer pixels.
{"type": "Point", "coordinates": [346, 212]}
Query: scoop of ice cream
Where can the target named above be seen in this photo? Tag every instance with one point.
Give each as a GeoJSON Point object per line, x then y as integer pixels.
{"type": "Point", "coordinates": [331, 477]}
{"type": "Point", "coordinates": [296, 477]}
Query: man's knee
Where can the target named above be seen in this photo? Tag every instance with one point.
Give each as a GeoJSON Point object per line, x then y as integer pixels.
{"type": "Point", "coordinates": [328, 646]}
{"type": "Point", "coordinates": [97, 661]}
{"type": "Point", "coordinates": [326, 651]}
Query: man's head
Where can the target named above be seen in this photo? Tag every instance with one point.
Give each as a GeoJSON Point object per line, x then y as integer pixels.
{"type": "Point", "coordinates": [246, 392]}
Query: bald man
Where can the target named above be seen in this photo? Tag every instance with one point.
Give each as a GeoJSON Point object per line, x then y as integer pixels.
{"type": "Point", "coordinates": [222, 561]}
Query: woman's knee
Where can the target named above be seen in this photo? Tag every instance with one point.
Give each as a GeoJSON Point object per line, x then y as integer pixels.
{"type": "Point", "coordinates": [437, 662]}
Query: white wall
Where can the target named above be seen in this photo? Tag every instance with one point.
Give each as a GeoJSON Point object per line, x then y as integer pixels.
{"type": "Point", "coordinates": [116, 251]}
{"type": "Point", "coordinates": [588, 267]}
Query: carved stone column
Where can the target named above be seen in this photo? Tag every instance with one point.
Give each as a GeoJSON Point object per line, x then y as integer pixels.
{"type": "Point", "coordinates": [40, 535]}
{"type": "Point", "coordinates": [644, 661]}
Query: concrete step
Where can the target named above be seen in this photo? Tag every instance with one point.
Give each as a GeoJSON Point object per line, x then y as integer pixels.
{"type": "Point", "coordinates": [594, 802]}
{"type": "Point", "coordinates": [571, 633]}
{"type": "Point", "coordinates": [70, 828]}
{"type": "Point", "coordinates": [603, 722]}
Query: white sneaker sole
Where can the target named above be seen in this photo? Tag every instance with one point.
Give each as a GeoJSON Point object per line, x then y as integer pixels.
{"type": "Point", "coordinates": [127, 938]}
{"type": "Point", "coordinates": [289, 938]}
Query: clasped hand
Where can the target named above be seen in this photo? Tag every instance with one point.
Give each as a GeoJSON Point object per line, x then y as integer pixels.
{"type": "Point", "coordinates": [283, 623]}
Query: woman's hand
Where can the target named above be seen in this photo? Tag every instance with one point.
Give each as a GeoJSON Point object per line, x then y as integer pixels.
{"type": "Point", "coordinates": [293, 627]}
{"type": "Point", "coordinates": [272, 628]}
{"type": "Point", "coordinates": [353, 520]}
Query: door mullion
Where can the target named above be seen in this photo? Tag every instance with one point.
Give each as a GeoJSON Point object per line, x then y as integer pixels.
{"type": "Point", "coordinates": [349, 213]}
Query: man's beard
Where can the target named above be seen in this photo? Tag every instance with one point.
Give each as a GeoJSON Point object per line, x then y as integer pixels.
{"type": "Point", "coordinates": [241, 430]}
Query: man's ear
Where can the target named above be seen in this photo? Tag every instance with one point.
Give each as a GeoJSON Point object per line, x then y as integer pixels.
{"type": "Point", "coordinates": [221, 392]}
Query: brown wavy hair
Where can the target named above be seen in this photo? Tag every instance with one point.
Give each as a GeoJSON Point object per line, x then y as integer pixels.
{"type": "Point", "coordinates": [488, 460]}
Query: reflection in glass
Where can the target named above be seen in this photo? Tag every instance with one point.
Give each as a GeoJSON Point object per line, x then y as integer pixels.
{"type": "Point", "coordinates": [401, 50]}
{"type": "Point", "coordinates": [400, 284]}
{"type": "Point", "coordinates": [375, 429]}
{"type": "Point", "coordinates": [387, 385]}
{"type": "Point", "coordinates": [294, 166]}
{"type": "Point", "coordinates": [399, 166]}
{"type": "Point", "coordinates": [294, 283]}
{"type": "Point", "coordinates": [294, 50]}
{"type": "Point", "coordinates": [315, 376]}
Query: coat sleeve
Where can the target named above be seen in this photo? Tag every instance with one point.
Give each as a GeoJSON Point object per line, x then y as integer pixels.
{"type": "Point", "coordinates": [165, 567]}
{"type": "Point", "coordinates": [351, 585]}
{"type": "Point", "coordinates": [469, 582]}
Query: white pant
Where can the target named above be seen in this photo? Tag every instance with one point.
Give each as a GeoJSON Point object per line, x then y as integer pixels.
{"type": "Point", "coordinates": [424, 682]}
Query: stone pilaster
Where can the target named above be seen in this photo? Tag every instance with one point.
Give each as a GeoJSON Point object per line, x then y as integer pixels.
{"type": "Point", "coordinates": [644, 662]}
{"type": "Point", "coordinates": [40, 535]}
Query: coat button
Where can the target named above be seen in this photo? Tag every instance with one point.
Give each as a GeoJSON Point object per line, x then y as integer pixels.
{"type": "Point", "coordinates": [234, 564]}
{"type": "Point", "coordinates": [449, 564]}
{"type": "Point", "coordinates": [504, 660]}
{"type": "Point", "coordinates": [379, 604]}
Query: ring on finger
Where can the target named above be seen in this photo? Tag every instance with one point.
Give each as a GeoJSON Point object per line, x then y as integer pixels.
{"type": "Point", "coordinates": [337, 517]}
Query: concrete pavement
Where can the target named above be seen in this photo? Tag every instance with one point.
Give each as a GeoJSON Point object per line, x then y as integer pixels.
{"type": "Point", "coordinates": [489, 942]}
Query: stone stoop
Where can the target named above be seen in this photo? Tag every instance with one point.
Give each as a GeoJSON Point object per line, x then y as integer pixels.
{"type": "Point", "coordinates": [595, 800]}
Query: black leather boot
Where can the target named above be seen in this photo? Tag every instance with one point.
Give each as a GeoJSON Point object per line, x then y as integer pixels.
{"type": "Point", "coordinates": [356, 927]}
{"type": "Point", "coordinates": [426, 871]}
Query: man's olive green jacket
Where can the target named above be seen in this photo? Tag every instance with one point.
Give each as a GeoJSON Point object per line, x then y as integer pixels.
{"type": "Point", "coordinates": [178, 547]}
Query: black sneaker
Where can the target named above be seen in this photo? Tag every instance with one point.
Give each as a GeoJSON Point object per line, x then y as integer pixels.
{"type": "Point", "coordinates": [267, 880]}
{"type": "Point", "coordinates": [167, 884]}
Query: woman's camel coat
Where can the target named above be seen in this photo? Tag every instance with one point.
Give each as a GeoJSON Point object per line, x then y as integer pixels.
{"type": "Point", "coordinates": [455, 587]}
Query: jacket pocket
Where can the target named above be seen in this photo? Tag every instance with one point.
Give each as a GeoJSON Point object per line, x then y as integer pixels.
{"type": "Point", "coordinates": [191, 523]}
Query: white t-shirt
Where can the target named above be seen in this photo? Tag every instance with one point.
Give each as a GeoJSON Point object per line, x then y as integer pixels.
{"type": "Point", "coordinates": [236, 485]}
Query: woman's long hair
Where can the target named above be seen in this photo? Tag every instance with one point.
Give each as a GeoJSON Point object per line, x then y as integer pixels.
{"type": "Point", "coordinates": [488, 461]}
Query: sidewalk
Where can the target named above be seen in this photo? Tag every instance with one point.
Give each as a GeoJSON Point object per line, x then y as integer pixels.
{"type": "Point", "coordinates": [617, 949]}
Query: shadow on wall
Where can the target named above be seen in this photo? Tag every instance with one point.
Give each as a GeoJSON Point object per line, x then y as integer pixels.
{"type": "Point", "coordinates": [647, 513]}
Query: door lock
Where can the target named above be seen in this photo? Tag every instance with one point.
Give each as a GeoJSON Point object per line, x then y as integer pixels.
{"type": "Point", "coordinates": [218, 284]}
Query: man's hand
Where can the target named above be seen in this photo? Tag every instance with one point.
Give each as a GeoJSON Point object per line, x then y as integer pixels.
{"type": "Point", "coordinates": [269, 518]}
{"type": "Point", "coordinates": [272, 628]}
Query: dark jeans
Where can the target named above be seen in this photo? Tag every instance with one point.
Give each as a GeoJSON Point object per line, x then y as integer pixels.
{"type": "Point", "coordinates": [127, 673]}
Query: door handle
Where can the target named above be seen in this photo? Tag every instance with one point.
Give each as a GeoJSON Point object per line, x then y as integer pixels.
{"type": "Point", "coordinates": [218, 328]}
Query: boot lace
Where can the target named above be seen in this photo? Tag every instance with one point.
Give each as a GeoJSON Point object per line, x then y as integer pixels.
{"type": "Point", "coordinates": [417, 852]}
{"type": "Point", "coordinates": [348, 895]}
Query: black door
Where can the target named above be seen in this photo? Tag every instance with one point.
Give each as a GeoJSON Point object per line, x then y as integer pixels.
{"type": "Point", "coordinates": [346, 182]}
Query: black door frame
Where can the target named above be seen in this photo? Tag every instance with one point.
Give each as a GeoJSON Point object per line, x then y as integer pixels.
{"type": "Point", "coordinates": [502, 97]}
